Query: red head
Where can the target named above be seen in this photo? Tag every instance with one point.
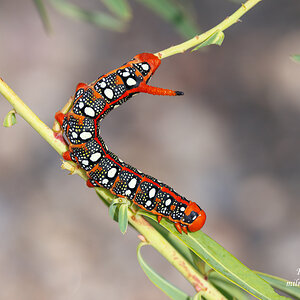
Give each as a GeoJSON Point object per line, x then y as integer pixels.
{"type": "Point", "coordinates": [199, 221]}
{"type": "Point", "coordinates": [148, 58]}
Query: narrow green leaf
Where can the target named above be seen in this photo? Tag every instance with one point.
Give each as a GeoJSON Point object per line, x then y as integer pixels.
{"type": "Point", "coordinates": [112, 211]}
{"type": "Point", "coordinates": [169, 289]}
{"type": "Point", "coordinates": [199, 263]}
{"type": "Point", "coordinates": [119, 8]}
{"type": "Point", "coordinates": [43, 14]}
{"type": "Point", "coordinates": [10, 119]}
{"type": "Point", "coordinates": [95, 17]}
{"type": "Point", "coordinates": [215, 39]}
{"type": "Point", "coordinates": [174, 241]}
{"type": "Point", "coordinates": [123, 217]}
{"type": "Point", "coordinates": [228, 289]}
{"type": "Point", "coordinates": [282, 284]}
{"type": "Point", "coordinates": [198, 296]}
{"type": "Point", "coordinates": [296, 58]}
{"type": "Point", "coordinates": [174, 14]}
{"type": "Point", "coordinates": [222, 261]}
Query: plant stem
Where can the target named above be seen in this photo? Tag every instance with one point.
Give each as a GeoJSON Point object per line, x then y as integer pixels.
{"type": "Point", "coordinates": [138, 222]}
{"type": "Point", "coordinates": [234, 18]}
{"type": "Point", "coordinates": [28, 115]}
{"type": "Point", "coordinates": [155, 239]}
{"type": "Point", "coordinates": [158, 242]}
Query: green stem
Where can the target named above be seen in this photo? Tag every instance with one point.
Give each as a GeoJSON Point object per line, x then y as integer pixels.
{"type": "Point", "coordinates": [158, 242]}
{"type": "Point", "coordinates": [138, 222]}
{"type": "Point", "coordinates": [28, 115]}
{"type": "Point", "coordinates": [234, 18]}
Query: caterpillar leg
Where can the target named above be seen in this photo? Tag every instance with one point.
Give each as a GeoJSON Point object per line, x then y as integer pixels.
{"type": "Point", "coordinates": [178, 227]}
{"type": "Point", "coordinates": [81, 85]}
{"type": "Point", "coordinates": [59, 117]}
{"type": "Point", "coordinates": [66, 156]}
{"type": "Point", "coordinates": [89, 184]}
{"type": "Point", "coordinates": [184, 228]}
{"type": "Point", "coordinates": [92, 185]}
{"type": "Point", "coordinates": [159, 218]}
{"type": "Point", "coordinates": [144, 88]}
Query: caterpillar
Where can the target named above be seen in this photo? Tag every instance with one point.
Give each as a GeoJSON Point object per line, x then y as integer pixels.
{"type": "Point", "coordinates": [80, 126]}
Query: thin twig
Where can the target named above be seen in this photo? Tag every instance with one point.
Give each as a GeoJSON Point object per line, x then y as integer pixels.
{"type": "Point", "coordinates": [138, 222]}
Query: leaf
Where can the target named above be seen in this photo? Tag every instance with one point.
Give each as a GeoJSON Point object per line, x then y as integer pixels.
{"type": "Point", "coordinates": [281, 284]}
{"type": "Point", "coordinates": [119, 8]}
{"type": "Point", "coordinates": [112, 211]}
{"type": "Point", "coordinates": [222, 261]}
{"type": "Point", "coordinates": [10, 119]}
{"type": "Point", "coordinates": [118, 211]}
{"type": "Point", "coordinates": [123, 217]}
{"type": "Point", "coordinates": [174, 241]}
{"type": "Point", "coordinates": [198, 296]}
{"type": "Point", "coordinates": [228, 289]}
{"type": "Point", "coordinates": [174, 14]}
{"type": "Point", "coordinates": [296, 58]}
{"type": "Point", "coordinates": [95, 17]}
{"type": "Point", "coordinates": [169, 289]}
{"type": "Point", "coordinates": [215, 39]}
{"type": "Point", "coordinates": [43, 14]}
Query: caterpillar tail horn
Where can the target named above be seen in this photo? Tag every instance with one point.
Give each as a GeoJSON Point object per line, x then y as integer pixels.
{"type": "Point", "coordinates": [144, 88]}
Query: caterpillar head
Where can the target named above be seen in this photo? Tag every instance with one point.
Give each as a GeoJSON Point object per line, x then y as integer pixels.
{"type": "Point", "coordinates": [196, 217]}
{"type": "Point", "coordinates": [146, 64]}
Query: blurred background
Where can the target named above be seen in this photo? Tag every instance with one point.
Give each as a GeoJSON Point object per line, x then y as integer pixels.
{"type": "Point", "coordinates": [231, 144]}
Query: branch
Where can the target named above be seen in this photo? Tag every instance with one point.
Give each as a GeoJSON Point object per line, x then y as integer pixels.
{"type": "Point", "coordinates": [31, 118]}
{"type": "Point", "coordinates": [138, 222]}
{"type": "Point", "coordinates": [155, 239]}
{"type": "Point", "coordinates": [198, 39]}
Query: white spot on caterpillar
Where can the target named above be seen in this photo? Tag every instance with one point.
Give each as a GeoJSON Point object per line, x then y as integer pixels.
{"type": "Point", "coordinates": [145, 67]}
{"type": "Point", "coordinates": [85, 162]}
{"type": "Point", "coordinates": [112, 172]}
{"type": "Point", "coordinates": [74, 135]}
{"type": "Point", "coordinates": [105, 181]}
{"type": "Point", "coordinates": [80, 104]}
{"type": "Point", "coordinates": [89, 111]}
{"type": "Point", "coordinates": [132, 183]}
{"type": "Point", "coordinates": [182, 208]}
{"type": "Point", "coordinates": [131, 81]}
{"type": "Point", "coordinates": [126, 74]}
{"type": "Point", "coordinates": [85, 135]}
{"type": "Point", "coordinates": [95, 156]}
{"type": "Point", "coordinates": [109, 93]}
{"type": "Point", "coordinates": [148, 203]}
{"type": "Point", "coordinates": [152, 193]}
{"type": "Point", "coordinates": [128, 192]}
{"type": "Point", "coordinates": [103, 84]}
{"type": "Point", "coordinates": [168, 202]}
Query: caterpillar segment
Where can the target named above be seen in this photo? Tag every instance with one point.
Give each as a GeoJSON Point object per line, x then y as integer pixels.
{"type": "Point", "coordinates": [104, 169]}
